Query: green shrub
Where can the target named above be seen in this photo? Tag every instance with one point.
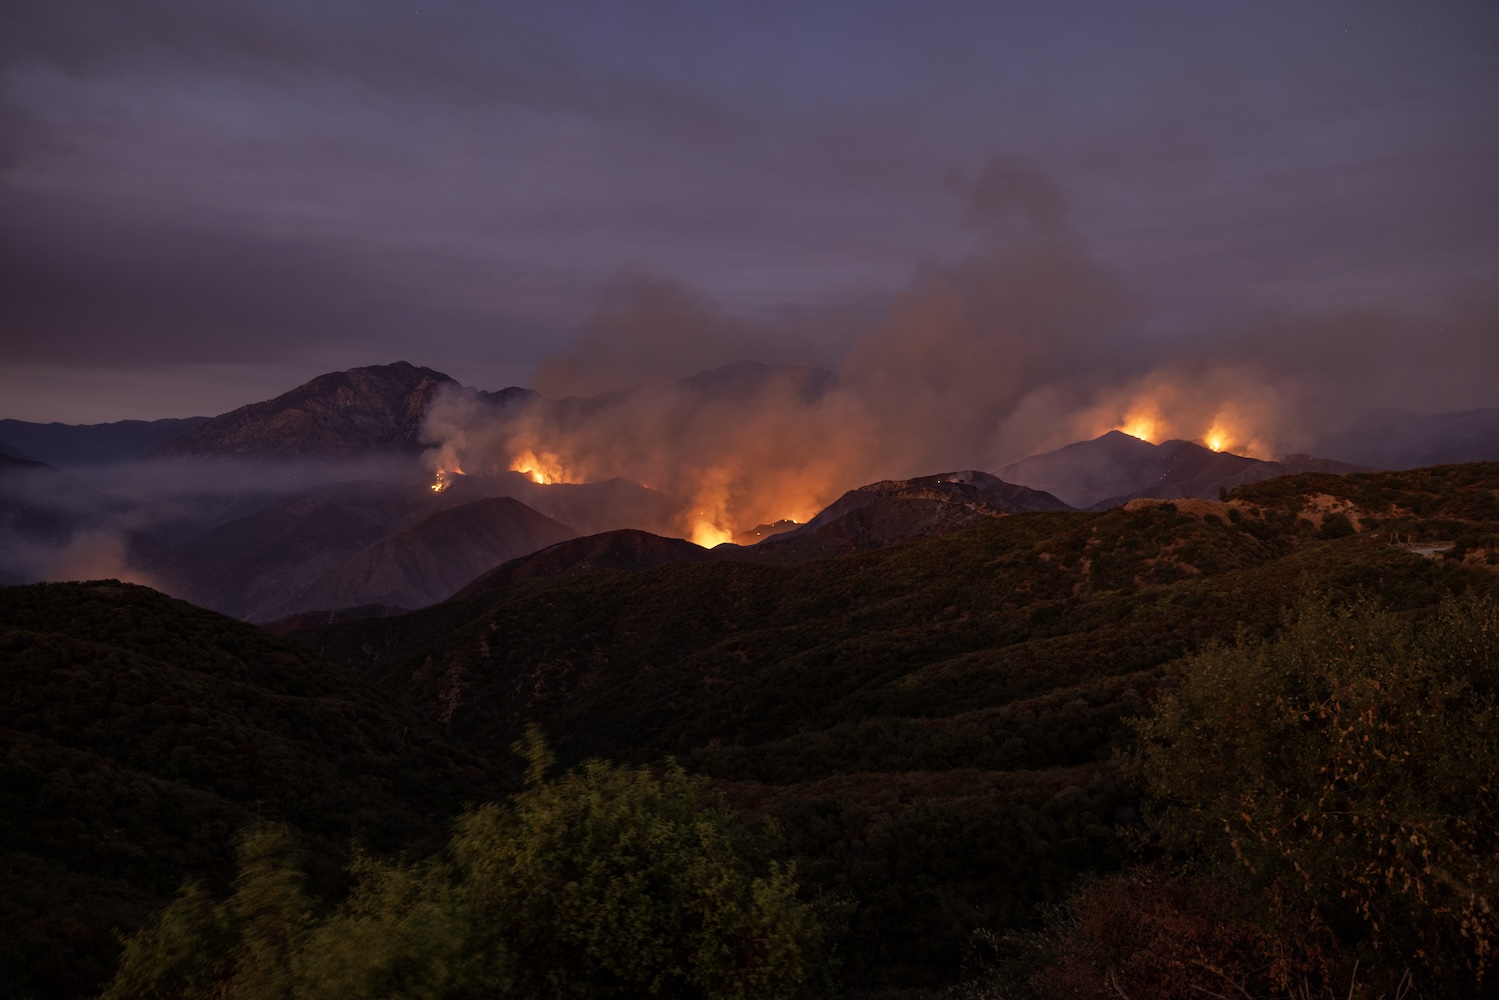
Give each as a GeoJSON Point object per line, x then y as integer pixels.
{"type": "Point", "coordinates": [605, 882]}
{"type": "Point", "coordinates": [1351, 766]}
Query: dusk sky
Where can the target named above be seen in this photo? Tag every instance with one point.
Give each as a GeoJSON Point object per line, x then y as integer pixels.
{"type": "Point", "coordinates": [205, 203]}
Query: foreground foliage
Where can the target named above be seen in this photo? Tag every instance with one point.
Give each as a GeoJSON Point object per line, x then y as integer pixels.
{"type": "Point", "coordinates": [1352, 765]}
{"type": "Point", "coordinates": [932, 726]}
{"type": "Point", "coordinates": [603, 882]}
{"type": "Point", "coordinates": [1329, 797]}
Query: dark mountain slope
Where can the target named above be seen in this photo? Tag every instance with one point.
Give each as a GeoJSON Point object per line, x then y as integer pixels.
{"type": "Point", "coordinates": [432, 559]}
{"type": "Point", "coordinates": [248, 567]}
{"type": "Point", "coordinates": [626, 550]}
{"type": "Point", "coordinates": [930, 723]}
{"type": "Point", "coordinates": [359, 543]}
{"type": "Point", "coordinates": [138, 733]}
{"type": "Point", "coordinates": [348, 414]}
{"type": "Point", "coordinates": [895, 511]}
{"type": "Point", "coordinates": [1400, 439]}
{"type": "Point", "coordinates": [1115, 467]}
{"type": "Point", "coordinates": [94, 444]}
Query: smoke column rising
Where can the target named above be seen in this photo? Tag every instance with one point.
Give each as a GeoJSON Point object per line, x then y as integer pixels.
{"type": "Point", "coordinates": [1012, 350]}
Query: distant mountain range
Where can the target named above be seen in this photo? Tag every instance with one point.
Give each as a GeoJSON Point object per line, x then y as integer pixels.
{"type": "Point", "coordinates": [1115, 467]}
{"type": "Point", "coordinates": [277, 549]}
{"type": "Point", "coordinates": [91, 444]}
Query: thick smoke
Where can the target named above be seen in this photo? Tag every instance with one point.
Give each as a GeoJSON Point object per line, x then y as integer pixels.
{"type": "Point", "coordinates": [1013, 350]}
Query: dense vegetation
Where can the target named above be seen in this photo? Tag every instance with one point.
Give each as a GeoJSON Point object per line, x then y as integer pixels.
{"type": "Point", "coordinates": [138, 734]}
{"type": "Point", "coordinates": [932, 732]}
{"type": "Point", "coordinates": [932, 726]}
{"type": "Point", "coordinates": [1324, 809]}
{"type": "Point", "coordinates": [605, 882]}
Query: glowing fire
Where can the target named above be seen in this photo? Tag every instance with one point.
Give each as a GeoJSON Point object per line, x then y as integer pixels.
{"type": "Point", "coordinates": [445, 479]}
{"type": "Point", "coordinates": [544, 467]}
{"type": "Point", "coordinates": [1216, 439]}
{"type": "Point", "coordinates": [707, 534]}
{"type": "Point", "coordinates": [1142, 421]}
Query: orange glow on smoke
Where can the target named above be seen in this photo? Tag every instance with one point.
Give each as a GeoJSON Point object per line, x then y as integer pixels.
{"type": "Point", "coordinates": [707, 534]}
{"type": "Point", "coordinates": [1143, 421]}
{"type": "Point", "coordinates": [545, 468]}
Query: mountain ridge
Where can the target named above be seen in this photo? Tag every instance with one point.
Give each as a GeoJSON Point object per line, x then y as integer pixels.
{"type": "Point", "coordinates": [346, 414]}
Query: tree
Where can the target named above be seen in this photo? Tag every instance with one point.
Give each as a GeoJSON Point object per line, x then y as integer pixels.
{"type": "Point", "coordinates": [1349, 767]}
{"type": "Point", "coordinates": [603, 882]}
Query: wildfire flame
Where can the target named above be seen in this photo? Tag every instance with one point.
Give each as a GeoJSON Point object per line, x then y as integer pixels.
{"type": "Point", "coordinates": [1143, 422]}
{"type": "Point", "coordinates": [545, 468]}
{"type": "Point", "coordinates": [444, 479]}
{"type": "Point", "coordinates": [707, 534]}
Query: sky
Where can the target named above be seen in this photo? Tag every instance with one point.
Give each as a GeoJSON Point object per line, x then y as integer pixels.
{"type": "Point", "coordinates": [1292, 205]}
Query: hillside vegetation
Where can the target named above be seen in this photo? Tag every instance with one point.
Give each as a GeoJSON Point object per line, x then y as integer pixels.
{"type": "Point", "coordinates": [931, 725]}
{"type": "Point", "coordinates": [936, 735]}
{"type": "Point", "coordinates": [138, 734]}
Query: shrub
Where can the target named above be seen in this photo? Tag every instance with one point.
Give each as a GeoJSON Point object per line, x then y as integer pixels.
{"type": "Point", "coordinates": [1350, 767]}
{"type": "Point", "coordinates": [604, 882]}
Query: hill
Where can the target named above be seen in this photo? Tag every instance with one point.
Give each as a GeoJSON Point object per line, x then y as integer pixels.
{"type": "Point", "coordinates": [1115, 467]}
{"type": "Point", "coordinates": [138, 733]}
{"type": "Point", "coordinates": [433, 558]}
{"type": "Point", "coordinates": [929, 723]}
{"type": "Point", "coordinates": [354, 543]}
{"type": "Point", "coordinates": [626, 550]}
{"type": "Point", "coordinates": [369, 542]}
{"type": "Point", "coordinates": [894, 511]}
{"type": "Point", "coordinates": [347, 414]}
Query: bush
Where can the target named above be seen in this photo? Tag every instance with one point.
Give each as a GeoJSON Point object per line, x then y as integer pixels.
{"type": "Point", "coordinates": [605, 882]}
{"type": "Point", "coordinates": [1350, 768]}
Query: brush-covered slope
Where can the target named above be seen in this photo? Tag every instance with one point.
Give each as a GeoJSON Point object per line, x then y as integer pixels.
{"type": "Point", "coordinates": [139, 733]}
{"type": "Point", "coordinates": [348, 414]}
{"type": "Point", "coordinates": [894, 511]}
{"type": "Point", "coordinates": [626, 550]}
{"type": "Point", "coordinates": [930, 723]}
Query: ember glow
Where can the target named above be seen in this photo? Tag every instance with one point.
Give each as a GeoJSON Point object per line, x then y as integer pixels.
{"type": "Point", "coordinates": [544, 467]}
{"type": "Point", "coordinates": [1142, 424]}
{"type": "Point", "coordinates": [444, 479]}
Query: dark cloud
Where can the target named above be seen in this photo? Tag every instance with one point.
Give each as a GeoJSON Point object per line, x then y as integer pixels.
{"type": "Point", "coordinates": [462, 183]}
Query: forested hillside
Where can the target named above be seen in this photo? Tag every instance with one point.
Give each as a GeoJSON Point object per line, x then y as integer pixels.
{"type": "Point", "coordinates": [935, 729]}
{"type": "Point", "coordinates": [932, 725]}
{"type": "Point", "coordinates": [138, 734]}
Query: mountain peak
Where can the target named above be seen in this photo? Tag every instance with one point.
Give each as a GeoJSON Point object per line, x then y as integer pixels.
{"type": "Point", "coordinates": [345, 414]}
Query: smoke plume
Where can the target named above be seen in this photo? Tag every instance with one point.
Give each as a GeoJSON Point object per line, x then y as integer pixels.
{"type": "Point", "coordinates": [1012, 350]}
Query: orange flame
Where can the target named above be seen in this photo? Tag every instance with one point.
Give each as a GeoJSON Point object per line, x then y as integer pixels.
{"type": "Point", "coordinates": [709, 524]}
{"type": "Point", "coordinates": [445, 478]}
{"type": "Point", "coordinates": [1143, 421]}
{"type": "Point", "coordinates": [545, 468]}
{"type": "Point", "coordinates": [707, 534]}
